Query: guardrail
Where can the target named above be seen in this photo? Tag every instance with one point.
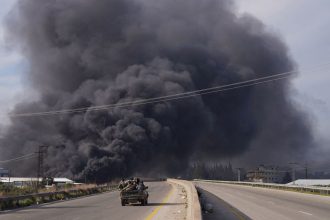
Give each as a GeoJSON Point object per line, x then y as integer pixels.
{"type": "Point", "coordinates": [194, 208]}
{"type": "Point", "coordinates": [296, 188]}
{"type": "Point", "coordinates": [12, 202]}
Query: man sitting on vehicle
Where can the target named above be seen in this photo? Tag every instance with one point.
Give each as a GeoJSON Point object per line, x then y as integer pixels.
{"type": "Point", "coordinates": [131, 185]}
{"type": "Point", "coordinates": [141, 186]}
{"type": "Point", "coordinates": [122, 184]}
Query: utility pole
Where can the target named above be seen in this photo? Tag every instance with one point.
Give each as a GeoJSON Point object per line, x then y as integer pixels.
{"type": "Point", "coordinates": [293, 171]}
{"type": "Point", "coordinates": [40, 171]}
{"type": "Point", "coordinates": [239, 174]}
{"type": "Point", "coordinates": [306, 170]}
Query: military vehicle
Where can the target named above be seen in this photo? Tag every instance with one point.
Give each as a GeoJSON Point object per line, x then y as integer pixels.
{"type": "Point", "coordinates": [134, 196]}
{"type": "Point", "coordinates": [133, 191]}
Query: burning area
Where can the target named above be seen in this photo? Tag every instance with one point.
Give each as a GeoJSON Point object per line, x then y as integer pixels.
{"type": "Point", "coordinates": [84, 53]}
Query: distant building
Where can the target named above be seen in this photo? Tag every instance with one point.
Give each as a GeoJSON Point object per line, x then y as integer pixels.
{"type": "Point", "coordinates": [62, 181]}
{"type": "Point", "coordinates": [311, 182]}
{"type": "Point", "coordinates": [4, 172]}
{"type": "Point", "coordinates": [28, 181]}
{"type": "Point", "coordinates": [19, 181]}
{"type": "Point", "coordinates": [264, 174]}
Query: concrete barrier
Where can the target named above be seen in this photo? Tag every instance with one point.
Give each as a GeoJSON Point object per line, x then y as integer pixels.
{"type": "Point", "coordinates": [194, 211]}
{"type": "Point", "coordinates": [295, 188]}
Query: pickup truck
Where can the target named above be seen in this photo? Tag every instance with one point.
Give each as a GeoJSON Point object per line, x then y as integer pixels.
{"type": "Point", "coordinates": [134, 196]}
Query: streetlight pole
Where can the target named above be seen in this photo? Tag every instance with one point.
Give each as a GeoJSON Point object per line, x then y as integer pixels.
{"type": "Point", "coordinates": [239, 174]}
{"type": "Point", "coordinates": [306, 171]}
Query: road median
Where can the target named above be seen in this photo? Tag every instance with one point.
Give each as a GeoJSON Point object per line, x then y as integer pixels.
{"type": "Point", "coordinates": [193, 205]}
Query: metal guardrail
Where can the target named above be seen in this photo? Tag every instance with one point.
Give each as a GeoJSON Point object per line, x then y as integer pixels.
{"type": "Point", "coordinates": [11, 202]}
{"type": "Point", "coordinates": [296, 188]}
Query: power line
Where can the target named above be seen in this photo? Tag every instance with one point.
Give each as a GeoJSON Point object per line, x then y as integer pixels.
{"type": "Point", "coordinates": [177, 96]}
{"type": "Point", "coordinates": [24, 157]}
{"type": "Point", "coordinates": [211, 90]}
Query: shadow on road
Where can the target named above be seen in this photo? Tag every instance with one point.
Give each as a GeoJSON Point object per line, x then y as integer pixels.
{"type": "Point", "coordinates": [157, 204]}
{"type": "Point", "coordinates": [220, 208]}
{"type": "Point", "coordinates": [164, 204]}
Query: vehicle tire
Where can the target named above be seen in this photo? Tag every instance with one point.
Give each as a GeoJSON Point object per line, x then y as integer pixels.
{"type": "Point", "coordinates": [123, 203]}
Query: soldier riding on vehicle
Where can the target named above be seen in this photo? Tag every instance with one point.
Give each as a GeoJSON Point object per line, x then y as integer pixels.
{"type": "Point", "coordinates": [133, 191]}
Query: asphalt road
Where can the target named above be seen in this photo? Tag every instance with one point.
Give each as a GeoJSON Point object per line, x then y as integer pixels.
{"type": "Point", "coordinates": [214, 208]}
{"type": "Point", "coordinates": [261, 204]}
{"type": "Point", "coordinates": [99, 207]}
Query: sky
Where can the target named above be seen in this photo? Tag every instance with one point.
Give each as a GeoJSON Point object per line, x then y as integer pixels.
{"type": "Point", "coordinates": [12, 67]}
{"type": "Point", "coordinates": [303, 25]}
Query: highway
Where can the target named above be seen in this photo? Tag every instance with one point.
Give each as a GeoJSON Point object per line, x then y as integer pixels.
{"type": "Point", "coordinates": [102, 206]}
{"type": "Point", "coordinates": [260, 204]}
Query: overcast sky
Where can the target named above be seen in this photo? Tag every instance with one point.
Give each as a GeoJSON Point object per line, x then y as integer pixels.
{"type": "Point", "coordinates": [13, 89]}
{"type": "Point", "coordinates": [303, 25]}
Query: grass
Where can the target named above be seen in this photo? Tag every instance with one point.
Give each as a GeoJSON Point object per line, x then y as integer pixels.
{"type": "Point", "coordinates": [10, 190]}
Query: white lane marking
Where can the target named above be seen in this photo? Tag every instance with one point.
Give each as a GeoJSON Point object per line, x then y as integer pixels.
{"type": "Point", "coordinates": [306, 213]}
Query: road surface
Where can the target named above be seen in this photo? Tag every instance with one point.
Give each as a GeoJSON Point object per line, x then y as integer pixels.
{"type": "Point", "coordinates": [260, 204]}
{"type": "Point", "coordinates": [101, 206]}
{"type": "Point", "coordinates": [214, 208]}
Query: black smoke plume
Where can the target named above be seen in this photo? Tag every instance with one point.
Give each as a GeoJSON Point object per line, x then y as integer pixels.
{"type": "Point", "coordinates": [88, 53]}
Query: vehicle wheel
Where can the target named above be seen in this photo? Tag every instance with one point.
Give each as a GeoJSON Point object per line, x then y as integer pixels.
{"type": "Point", "coordinates": [123, 203]}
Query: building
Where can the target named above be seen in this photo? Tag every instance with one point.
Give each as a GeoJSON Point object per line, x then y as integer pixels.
{"type": "Point", "coordinates": [62, 181]}
{"type": "Point", "coordinates": [4, 172]}
{"type": "Point", "coordinates": [19, 181]}
{"type": "Point", "coordinates": [311, 182]}
{"type": "Point", "coordinates": [264, 174]}
{"type": "Point", "coordinates": [29, 181]}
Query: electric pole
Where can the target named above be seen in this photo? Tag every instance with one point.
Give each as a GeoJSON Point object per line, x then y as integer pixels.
{"type": "Point", "coordinates": [293, 172]}
{"type": "Point", "coordinates": [40, 170]}
{"type": "Point", "coordinates": [239, 174]}
{"type": "Point", "coordinates": [306, 171]}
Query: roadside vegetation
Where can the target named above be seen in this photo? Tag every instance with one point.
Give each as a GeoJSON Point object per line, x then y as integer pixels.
{"type": "Point", "coordinates": [12, 197]}
{"type": "Point", "coordinates": [10, 190]}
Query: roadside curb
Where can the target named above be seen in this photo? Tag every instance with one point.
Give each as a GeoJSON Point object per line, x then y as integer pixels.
{"type": "Point", "coordinates": [194, 208]}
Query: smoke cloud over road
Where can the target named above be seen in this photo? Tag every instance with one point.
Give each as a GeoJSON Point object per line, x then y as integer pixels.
{"type": "Point", "coordinates": [88, 53]}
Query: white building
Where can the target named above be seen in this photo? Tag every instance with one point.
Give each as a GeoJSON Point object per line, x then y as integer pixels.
{"type": "Point", "coordinates": [25, 181]}
{"type": "Point", "coordinates": [264, 174]}
{"type": "Point", "coordinates": [311, 182]}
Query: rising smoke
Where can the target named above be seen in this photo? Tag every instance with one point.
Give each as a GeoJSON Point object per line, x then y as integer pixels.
{"type": "Point", "coordinates": [86, 53]}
